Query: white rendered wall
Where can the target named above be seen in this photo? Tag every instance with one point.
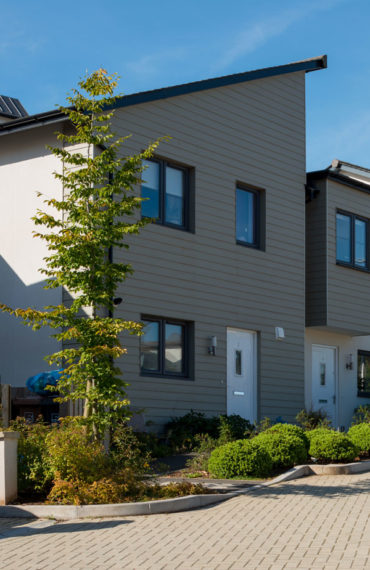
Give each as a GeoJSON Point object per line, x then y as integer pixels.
{"type": "Point", "coordinates": [347, 399]}
{"type": "Point", "coordinates": [26, 168]}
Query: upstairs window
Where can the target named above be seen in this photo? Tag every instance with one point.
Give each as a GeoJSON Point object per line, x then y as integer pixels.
{"type": "Point", "coordinates": [363, 373]}
{"type": "Point", "coordinates": [164, 347]}
{"type": "Point", "coordinates": [247, 217]}
{"type": "Point", "coordinates": [166, 187]}
{"type": "Point", "coordinates": [352, 240]}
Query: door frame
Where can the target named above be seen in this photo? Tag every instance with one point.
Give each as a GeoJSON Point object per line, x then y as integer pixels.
{"type": "Point", "coordinates": [336, 378]}
{"type": "Point", "coordinates": [255, 369]}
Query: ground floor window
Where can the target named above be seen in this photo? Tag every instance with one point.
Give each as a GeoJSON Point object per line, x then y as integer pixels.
{"type": "Point", "coordinates": [164, 347]}
{"type": "Point", "coordinates": [363, 373]}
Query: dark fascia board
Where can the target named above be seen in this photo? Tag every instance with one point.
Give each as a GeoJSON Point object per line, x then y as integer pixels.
{"type": "Point", "coordinates": [356, 184]}
{"type": "Point", "coordinates": [32, 121]}
{"type": "Point", "coordinates": [305, 65]}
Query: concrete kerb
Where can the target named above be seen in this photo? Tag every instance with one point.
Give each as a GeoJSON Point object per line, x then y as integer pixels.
{"type": "Point", "coordinates": [69, 512]}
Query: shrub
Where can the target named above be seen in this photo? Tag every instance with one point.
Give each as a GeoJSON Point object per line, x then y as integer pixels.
{"type": "Point", "coordinates": [204, 445]}
{"type": "Point", "coordinates": [73, 455]}
{"type": "Point", "coordinates": [311, 420]}
{"type": "Point", "coordinates": [128, 450]}
{"type": "Point", "coordinates": [240, 458]}
{"type": "Point", "coordinates": [359, 434]}
{"type": "Point", "coordinates": [289, 429]}
{"type": "Point", "coordinates": [233, 427]}
{"type": "Point", "coordinates": [362, 414]}
{"type": "Point", "coordinates": [35, 475]}
{"type": "Point", "coordinates": [182, 431]}
{"type": "Point", "coordinates": [285, 449]}
{"type": "Point", "coordinates": [118, 490]}
{"type": "Point", "coordinates": [329, 445]}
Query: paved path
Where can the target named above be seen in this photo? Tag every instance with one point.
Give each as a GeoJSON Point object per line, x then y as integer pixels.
{"type": "Point", "coordinates": [312, 523]}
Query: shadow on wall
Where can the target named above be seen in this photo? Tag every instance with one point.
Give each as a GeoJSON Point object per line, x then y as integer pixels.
{"type": "Point", "coordinates": [22, 350]}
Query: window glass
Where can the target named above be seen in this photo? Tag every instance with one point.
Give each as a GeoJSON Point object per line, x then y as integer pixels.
{"type": "Point", "coordinates": [149, 357]}
{"type": "Point", "coordinates": [360, 243]}
{"type": "Point", "coordinates": [150, 189]}
{"type": "Point", "coordinates": [245, 216]}
{"type": "Point", "coordinates": [363, 373]}
{"type": "Point", "coordinates": [173, 348]}
{"type": "Point", "coordinates": [343, 238]}
{"type": "Point", "coordinates": [174, 196]}
{"type": "Point", "coordinates": [238, 363]}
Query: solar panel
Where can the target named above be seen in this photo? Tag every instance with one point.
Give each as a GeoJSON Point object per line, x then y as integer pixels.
{"type": "Point", "coordinates": [11, 108]}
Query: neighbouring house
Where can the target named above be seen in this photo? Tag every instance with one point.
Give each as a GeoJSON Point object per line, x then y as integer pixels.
{"type": "Point", "coordinates": [220, 278]}
{"type": "Point", "coordinates": [337, 290]}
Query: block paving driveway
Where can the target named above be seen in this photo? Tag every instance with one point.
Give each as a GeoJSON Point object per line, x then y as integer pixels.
{"type": "Point", "coordinates": [317, 522]}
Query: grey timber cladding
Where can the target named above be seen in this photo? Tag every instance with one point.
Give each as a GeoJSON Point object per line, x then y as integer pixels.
{"type": "Point", "coordinates": [337, 297]}
{"type": "Point", "coordinates": [348, 289]}
{"type": "Point", "coordinates": [252, 133]}
{"type": "Point", "coordinates": [316, 257]}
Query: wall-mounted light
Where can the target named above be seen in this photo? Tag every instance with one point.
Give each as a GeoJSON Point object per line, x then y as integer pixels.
{"type": "Point", "coordinates": [212, 346]}
{"type": "Point", "coordinates": [117, 301]}
{"type": "Point", "coordinates": [279, 333]}
{"type": "Point", "coordinates": [349, 362]}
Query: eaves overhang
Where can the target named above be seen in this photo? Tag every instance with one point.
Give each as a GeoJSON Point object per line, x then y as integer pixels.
{"type": "Point", "coordinates": [346, 180]}
{"type": "Point", "coordinates": [306, 65]}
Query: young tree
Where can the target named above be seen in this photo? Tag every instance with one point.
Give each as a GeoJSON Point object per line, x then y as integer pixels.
{"type": "Point", "coordinates": [90, 220]}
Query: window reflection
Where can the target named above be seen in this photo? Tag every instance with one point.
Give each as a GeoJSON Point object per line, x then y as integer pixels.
{"type": "Point", "coordinates": [245, 216]}
{"type": "Point", "coordinates": [173, 348]}
{"type": "Point", "coordinates": [149, 358]}
{"type": "Point", "coordinates": [174, 196]}
{"type": "Point", "coordinates": [150, 190]}
{"type": "Point", "coordinates": [343, 238]}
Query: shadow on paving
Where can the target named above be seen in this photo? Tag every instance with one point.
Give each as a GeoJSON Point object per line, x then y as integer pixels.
{"type": "Point", "coordinates": [10, 527]}
{"type": "Point", "coordinates": [332, 491]}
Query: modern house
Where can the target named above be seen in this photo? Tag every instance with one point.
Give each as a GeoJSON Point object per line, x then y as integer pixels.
{"type": "Point", "coordinates": [220, 278]}
{"type": "Point", "coordinates": [337, 289]}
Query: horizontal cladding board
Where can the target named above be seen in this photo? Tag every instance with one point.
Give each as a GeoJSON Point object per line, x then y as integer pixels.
{"type": "Point", "coordinates": [242, 153]}
{"type": "Point", "coordinates": [262, 131]}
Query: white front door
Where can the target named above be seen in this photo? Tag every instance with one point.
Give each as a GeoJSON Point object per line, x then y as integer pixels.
{"type": "Point", "coordinates": [242, 373]}
{"type": "Point", "coordinates": [324, 380]}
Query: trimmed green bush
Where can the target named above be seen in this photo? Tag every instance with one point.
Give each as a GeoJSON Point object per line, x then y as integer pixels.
{"type": "Point", "coordinates": [290, 429]}
{"type": "Point", "coordinates": [240, 458]}
{"type": "Point", "coordinates": [285, 449]}
{"type": "Point", "coordinates": [329, 445]}
{"type": "Point", "coordinates": [359, 434]}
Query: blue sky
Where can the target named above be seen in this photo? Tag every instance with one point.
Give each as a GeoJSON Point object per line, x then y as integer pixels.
{"type": "Point", "coordinates": [46, 47]}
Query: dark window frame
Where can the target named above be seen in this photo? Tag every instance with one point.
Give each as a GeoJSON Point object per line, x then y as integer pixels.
{"type": "Point", "coordinates": [162, 321]}
{"type": "Point", "coordinates": [361, 393]}
{"type": "Point", "coordinates": [256, 244]}
{"type": "Point", "coordinates": [353, 217]}
{"type": "Point", "coordinates": [186, 170]}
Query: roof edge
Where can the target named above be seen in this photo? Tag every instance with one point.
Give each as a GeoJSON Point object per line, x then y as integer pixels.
{"type": "Point", "coordinates": [306, 65]}
{"type": "Point", "coordinates": [346, 180]}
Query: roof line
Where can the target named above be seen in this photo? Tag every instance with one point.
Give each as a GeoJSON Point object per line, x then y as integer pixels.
{"type": "Point", "coordinates": [357, 184]}
{"type": "Point", "coordinates": [336, 163]}
{"type": "Point", "coordinates": [305, 65]}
